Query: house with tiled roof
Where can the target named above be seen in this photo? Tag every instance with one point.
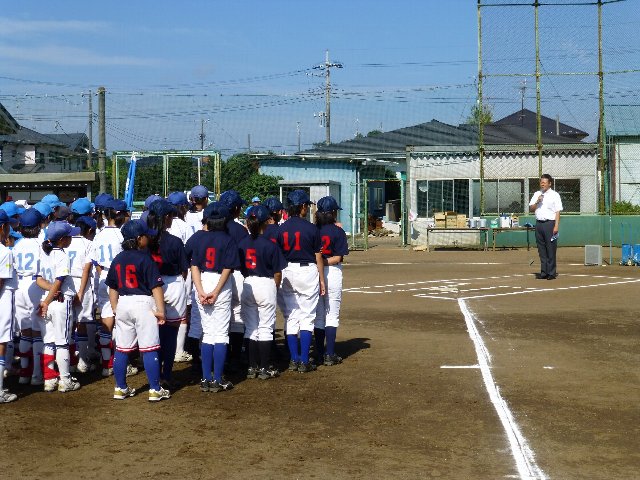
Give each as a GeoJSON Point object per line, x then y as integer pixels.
{"type": "Point", "coordinates": [622, 127]}
{"type": "Point", "coordinates": [33, 164]}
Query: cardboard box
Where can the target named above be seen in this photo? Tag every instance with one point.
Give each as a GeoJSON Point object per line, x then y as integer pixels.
{"type": "Point", "coordinates": [439, 216]}
{"type": "Point", "coordinates": [461, 221]}
{"type": "Point", "coordinates": [452, 221]}
{"type": "Point", "coordinates": [440, 223]}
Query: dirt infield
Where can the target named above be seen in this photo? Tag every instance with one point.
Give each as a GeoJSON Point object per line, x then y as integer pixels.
{"type": "Point", "coordinates": [562, 357]}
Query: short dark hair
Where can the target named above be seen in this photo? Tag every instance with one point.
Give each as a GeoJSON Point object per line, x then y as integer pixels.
{"type": "Point", "coordinates": [548, 177]}
{"type": "Point", "coordinates": [294, 210]}
{"type": "Point", "coordinates": [216, 224]}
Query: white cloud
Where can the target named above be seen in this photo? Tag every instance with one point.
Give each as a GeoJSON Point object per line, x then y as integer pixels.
{"type": "Point", "coordinates": [72, 56]}
{"type": "Point", "coordinates": [12, 26]}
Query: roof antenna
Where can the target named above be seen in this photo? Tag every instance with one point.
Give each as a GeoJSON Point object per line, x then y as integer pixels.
{"type": "Point", "coordinates": [523, 88]}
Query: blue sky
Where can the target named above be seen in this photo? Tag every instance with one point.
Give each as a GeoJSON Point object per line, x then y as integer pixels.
{"type": "Point", "coordinates": [245, 68]}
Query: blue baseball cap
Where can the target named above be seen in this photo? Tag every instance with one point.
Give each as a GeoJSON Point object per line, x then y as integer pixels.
{"type": "Point", "coordinates": [273, 204]}
{"type": "Point", "coordinates": [117, 205]}
{"type": "Point", "coordinates": [10, 208]}
{"type": "Point", "coordinates": [161, 207]}
{"type": "Point", "coordinates": [328, 204]}
{"type": "Point", "coordinates": [31, 218]}
{"type": "Point", "coordinates": [44, 209]}
{"type": "Point", "coordinates": [232, 199]}
{"type": "Point", "coordinates": [178, 198]}
{"type": "Point", "coordinates": [52, 200]}
{"type": "Point", "coordinates": [259, 212]}
{"type": "Point", "coordinates": [144, 215]}
{"type": "Point", "coordinates": [135, 229]}
{"type": "Point", "coordinates": [255, 199]}
{"type": "Point", "coordinates": [216, 210]}
{"type": "Point", "coordinates": [299, 197]}
{"type": "Point", "coordinates": [102, 199]}
{"type": "Point", "coordinates": [150, 199]}
{"type": "Point", "coordinates": [200, 191]}
{"type": "Point", "coordinates": [4, 218]}
{"type": "Point", "coordinates": [82, 206]}
{"type": "Point", "coordinates": [58, 230]}
{"type": "Point", "coordinates": [88, 221]}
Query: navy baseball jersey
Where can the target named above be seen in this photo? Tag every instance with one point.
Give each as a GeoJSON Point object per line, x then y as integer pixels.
{"type": "Point", "coordinates": [334, 241]}
{"type": "Point", "coordinates": [213, 252]}
{"type": "Point", "coordinates": [299, 240]}
{"type": "Point", "coordinates": [261, 257]}
{"type": "Point", "coordinates": [171, 259]}
{"type": "Point", "coordinates": [133, 272]}
{"type": "Point", "coordinates": [271, 232]}
{"type": "Point", "coordinates": [236, 231]}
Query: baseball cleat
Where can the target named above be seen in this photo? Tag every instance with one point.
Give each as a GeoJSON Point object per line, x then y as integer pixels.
{"type": "Point", "coordinates": [107, 372]}
{"type": "Point", "coordinates": [50, 385]}
{"type": "Point", "coordinates": [205, 385]}
{"type": "Point", "coordinates": [216, 386]}
{"type": "Point", "coordinates": [183, 357]}
{"type": "Point", "coordinates": [157, 395]}
{"type": "Point", "coordinates": [131, 371]}
{"type": "Point", "coordinates": [84, 367]}
{"type": "Point", "coordinates": [306, 367]}
{"type": "Point", "coordinates": [267, 373]}
{"type": "Point", "coordinates": [24, 380]}
{"type": "Point", "coordinates": [330, 360]}
{"type": "Point", "coordinates": [37, 380]}
{"type": "Point", "coordinates": [69, 384]}
{"type": "Point", "coordinates": [252, 372]}
{"type": "Point", "coordinates": [122, 393]}
{"type": "Point", "coordinates": [6, 397]}
{"type": "Point", "coordinates": [293, 366]}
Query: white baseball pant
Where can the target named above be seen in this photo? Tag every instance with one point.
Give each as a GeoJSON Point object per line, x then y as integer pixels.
{"type": "Point", "coordinates": [215, 318]}
{"type": "Point", "coordinates": [237, 283]}
{"type": "Point", "coordinates": [136, 324]}
{"type": "Point", "coordinates": [259, 308]}
{"type": "Point", "coordinates": [328, 312]}
{"type": "Point", "coordinates": [175, 298]}
{"type": "Point", "coordinates": [300, 291]}
{"type": "Point", "coordinates": [84, 312]}
{"type": "Point", "coordinates": [6, 316]}
{"type": "Point", "coordinates": [58, 326]}
{"type": "Point", "coordinates": [102, 302]}
{"type": "Point", "coordinates": [27, 299]}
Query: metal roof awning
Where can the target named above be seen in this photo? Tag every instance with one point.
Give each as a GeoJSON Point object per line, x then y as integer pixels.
{"type": "Point", "coordinates": [306, 183]}
{"type": "Point", "coordinates": [46, 180]}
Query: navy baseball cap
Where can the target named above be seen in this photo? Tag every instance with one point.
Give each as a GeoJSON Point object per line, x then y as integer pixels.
{"type": "Point", "coordinates": [117, 205]}
{"type": "Point", "coordinates": [273, 204]}
{"type": "Point", "coordinates": [299, 197]}
{"type": "Point", "coordinates": [259, 212]}
{"type": "Point", "coordinates": [328, 204]}
{"type": "Point", "coordinates": [161, 207]}
{"type": "Point", "coordinates": [200, 191]}
{"type": "Point", "coordinates": [82, 206]}
{"type": "Point", "coordinates": [178, 198]}
{"type": "Point", "coordinates": [232, 199]}
{"type": "Point", "coordinates": [144, 215]}
{"type": "Point", "coordinates": [44, 209]}
{"type": "Point", "coordinates": [62, 213]}
{"type": "Point", "coordinates": [4, 218]}
{"type": "Point", "coordinates": [135, 229]}
{"type": "Point", "coordinates": [31, 218]}
{"type": "Point", "coordinates": [216, 210]}
{"type": "Point", "coordinates": [88, 221]}
{"type": "Point", "coordinates": [57, 230]}
{"type": "Point", "coordinates": [102, 199]}
{"type": "Point", "coordinates": [150, 199]}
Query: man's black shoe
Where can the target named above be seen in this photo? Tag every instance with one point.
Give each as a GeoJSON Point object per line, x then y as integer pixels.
{"type": "Point", "coordinates": [540, 276]}
{"type": "Point", "coordinates": [551, 277]}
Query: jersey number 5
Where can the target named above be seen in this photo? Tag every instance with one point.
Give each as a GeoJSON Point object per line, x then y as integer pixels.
{"type": "Point", "coordinates": [130, 278]}
{"type": "Point", "coordinates": [251, 259]}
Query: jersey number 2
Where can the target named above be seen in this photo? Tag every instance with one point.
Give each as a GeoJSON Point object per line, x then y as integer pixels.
{"type": "Point", "coordinates": [130, 278]}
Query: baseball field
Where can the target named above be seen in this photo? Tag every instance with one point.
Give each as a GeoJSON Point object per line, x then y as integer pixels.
{"type": "Point", "coordinates": [457, 365]}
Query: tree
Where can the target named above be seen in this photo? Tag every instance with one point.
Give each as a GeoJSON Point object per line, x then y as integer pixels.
{"type": "Point", "coordinates": [374, 133]}
{"type": "Point", "coordinates": [479, 115]}
{"type": "Point", "coordinates": [241, 173]}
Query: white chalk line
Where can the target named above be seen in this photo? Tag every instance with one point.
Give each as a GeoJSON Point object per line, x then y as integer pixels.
{"type": "Point", "coordinates": [452, 280]}
{"type": "Point", "coordinates": [522, 453]}
{"type": "Point", "coordinates": [460, 366]}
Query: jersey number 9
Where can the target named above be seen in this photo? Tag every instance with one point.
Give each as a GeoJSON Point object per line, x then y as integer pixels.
{"type": "Point", "coordinates": [211, 258]}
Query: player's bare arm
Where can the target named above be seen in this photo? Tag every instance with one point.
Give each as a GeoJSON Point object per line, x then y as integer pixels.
{"type": "Point", "coordinates": [84, 280]}
{"type": "Point", "coordinates": [53, 293]}
{"type": "Point", "coordinates": [158, 296]}
{"type": "Point", "coordinates": [277, 277]}
{"type": "Point", "coordinates": [197, 282]}
{"type": "Point", "coordinates": [320, 264]}
{"type": "Point", "coordinates": [113, 299]}
{"type": "Point", "coordinates": [213, 296]}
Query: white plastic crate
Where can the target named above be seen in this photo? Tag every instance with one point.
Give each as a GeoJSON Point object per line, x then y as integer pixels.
{"type": "Point", "coordinates": [593, 255]}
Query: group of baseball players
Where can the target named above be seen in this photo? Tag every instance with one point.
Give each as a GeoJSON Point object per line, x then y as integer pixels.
{"type": "Point", "coordinates": [83, 284]}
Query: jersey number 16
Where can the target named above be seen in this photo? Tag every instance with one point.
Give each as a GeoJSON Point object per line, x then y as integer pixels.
{"type": "Point", "coordinates": [130, 278]}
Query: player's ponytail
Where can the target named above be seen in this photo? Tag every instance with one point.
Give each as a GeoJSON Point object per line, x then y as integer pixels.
{"type": "Point", "coordinates": [47, 246]}
{"type": "Point", "coordinates": [294, 210]}
{"type": "Point", "coordinates": [130, 244]}
{"type": "Point", "coordinates": [216, 224]}
{"type": "Point", "coordinates": [254, 226]}
{"type": "Point", "coordinates": [325, 218]}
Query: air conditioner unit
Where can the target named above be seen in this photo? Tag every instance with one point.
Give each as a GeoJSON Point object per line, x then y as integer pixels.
{"type": "Point", "coordinates": [593, 255]}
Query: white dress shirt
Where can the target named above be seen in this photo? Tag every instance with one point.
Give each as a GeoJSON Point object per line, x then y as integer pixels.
{"type": "Point", "coordinates": [551, 204]}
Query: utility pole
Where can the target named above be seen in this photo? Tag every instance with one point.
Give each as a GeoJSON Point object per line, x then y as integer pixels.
{"type": "Point", "coordinates": [90, 133]}
{"type": "Point", "coordinates": [102, 141]}
{"type": "Point", "coordinates": [202, 135]}
{"type": "Point", "coordinates": [248, 143]}
{"type": "Point", "coordinates": [327, 66]}
{"type": "Point", "coordinates": [298, 130]}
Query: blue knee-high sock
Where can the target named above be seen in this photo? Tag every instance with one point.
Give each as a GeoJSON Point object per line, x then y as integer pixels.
{"type": "Point", "coordinates": [219, 356]}
{"type": "Point", "coordinates": [330, 333]}
{"type": "Point", "coordinates": [120, 362]}
{"type": "Point", "coordinates": [152, 367]}
{"type": "Point", "coordinates": [318, 334]}
{"type": "Point", "coordinates": [305, 345]}
{"type": "Point", "coordinates": [294, 351]}
{"type": "Point", "coordinates": [206, 358]}
{"type": "Point", "coordinates": [168, 344]}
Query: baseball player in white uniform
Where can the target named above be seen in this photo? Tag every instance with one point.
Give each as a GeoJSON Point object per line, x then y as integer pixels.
{"type": "Point", "coordinates": [8, 284]}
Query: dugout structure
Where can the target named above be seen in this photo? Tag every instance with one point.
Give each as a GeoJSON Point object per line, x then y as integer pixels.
{"type": "Point", "coordinates": [162, 172]}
